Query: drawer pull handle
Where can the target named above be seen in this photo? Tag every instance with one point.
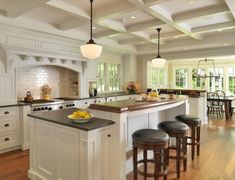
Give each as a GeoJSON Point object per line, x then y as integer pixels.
{"type": "Point", "coordinates": [109, 135]}
{"type": "Point", "coordinates": [6, 139]}
{"type": "Point", "coordinates": [6, 112]}
{"type": "Point", "coordinates": [6, 125]}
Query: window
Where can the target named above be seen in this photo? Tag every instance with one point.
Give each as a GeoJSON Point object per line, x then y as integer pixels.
{"type": "Point", "coordinates": [181, 75]}
{"type": "Point", "coordinates": [158, 77]}
{"type": "Point", "coordinates": [114, 77]}
{"type": "Point", "coordinates": [101, 78]}
{"type": "Point", "coordinates": [231, 79]}
{"type": "Point", "coordinates": [214, 82]}
{"type": "Point", "coordinates": [197, 82]}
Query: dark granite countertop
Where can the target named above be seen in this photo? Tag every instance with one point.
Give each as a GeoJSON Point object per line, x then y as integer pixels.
{"type": "Point", "coordinates": [15, 104]}
{"type": "Point", "coordinates": [133, 105]}
{"type": "Point", "coordinates": [60, 117]}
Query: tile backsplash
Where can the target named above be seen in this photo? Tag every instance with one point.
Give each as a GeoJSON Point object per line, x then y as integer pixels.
{"type": "Point", "coordinates": [63, 82]}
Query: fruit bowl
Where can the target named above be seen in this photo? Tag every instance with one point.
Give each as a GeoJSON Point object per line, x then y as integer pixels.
{"type": "Point", "coordinates": [80, 116]}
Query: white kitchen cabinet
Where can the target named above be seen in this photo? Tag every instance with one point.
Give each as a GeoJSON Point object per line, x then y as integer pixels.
{"type": "Point", "coordinates": [105, 153]}
{"type": "Point", "coordinates": [129, 96]}
{"type": "Point", "coordinates": [92, 70]}
{"type": "Point", "coordinates": [24, 127]}
{"type": "Point", "coordinates": [65, 153]}
{"type": "Point", "coordinates": [9, 128]}
{"type": "Point", "coordinates": [111, 98]}
{"type": "Point", "coordinates": [7, 89]}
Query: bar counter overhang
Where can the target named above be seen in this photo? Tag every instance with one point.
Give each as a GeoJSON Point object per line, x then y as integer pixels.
{"type": "Point", "coordinates": [130, 115]}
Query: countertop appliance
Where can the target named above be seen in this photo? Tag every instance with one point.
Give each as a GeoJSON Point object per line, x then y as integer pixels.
{"type": "Point", "coordinates": [52, 105]}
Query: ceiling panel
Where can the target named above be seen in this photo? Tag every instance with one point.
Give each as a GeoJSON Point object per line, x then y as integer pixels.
{"type": "Point", "coordinates": [179, 6]}
{"type": "Point", "coordinates": [209, 20]}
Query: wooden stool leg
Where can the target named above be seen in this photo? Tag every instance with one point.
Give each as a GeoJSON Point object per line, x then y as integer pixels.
{"type": "Point", "coordinates": [135, 163]}
{"type": "Point", "coordinates": [185, 153]}
{"type": "Point", "coordinates": [193, 141]}
{"type": "Point", "coordinates": [145, 164]}
{"type": "Point", "coordinates": [165, 161]}
{"type": "Point", "coordinates": [178, 150]}
{"type": "Point", "coordinates": [157, 159]}
{"type": "Point", "coordinates": [198, 140]}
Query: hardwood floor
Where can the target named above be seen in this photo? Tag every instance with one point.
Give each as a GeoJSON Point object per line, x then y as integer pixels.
{"type": "Point", "coordinates": [216, 162]}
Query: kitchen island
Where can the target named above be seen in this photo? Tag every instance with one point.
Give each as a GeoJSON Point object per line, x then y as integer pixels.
{"type": "Point", "coordinates": [60, 149]}
{"type": "Point", "coordinates": [129, 116]}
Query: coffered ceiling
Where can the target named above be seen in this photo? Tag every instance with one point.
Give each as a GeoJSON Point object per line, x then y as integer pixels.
{"type": "Point", "coordinates": [130, 25]}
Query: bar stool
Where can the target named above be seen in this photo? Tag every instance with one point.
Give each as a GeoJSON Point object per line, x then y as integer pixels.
{"type": "Point", "coordinates": [156, 141]}
{"type": "Point", "coordinates": [195, 125]}
{"type": "Point", "coordinates": [179, 131]}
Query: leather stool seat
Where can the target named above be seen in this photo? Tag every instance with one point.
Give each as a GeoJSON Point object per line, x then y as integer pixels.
{"type": "Point", "coordinates": [153, 140]}
{"type": "Point", "coordinates": [173, 126]}
{"type": "Point", "coordinates": [189, 120]}
{"type": "Point", "coordinates": [179, 131]}
{"type": "Point", "coordinates": [195, 126]}
{"type": "Point", "coordinates": [150, 136]}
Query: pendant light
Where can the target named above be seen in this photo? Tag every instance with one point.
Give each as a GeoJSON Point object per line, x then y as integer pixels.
{"type": "Point", "coordinates": [91, 50]}
{"type": "Point", "coordinates": [158, 61]}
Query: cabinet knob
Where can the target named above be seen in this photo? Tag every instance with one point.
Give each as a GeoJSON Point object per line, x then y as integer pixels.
{"type": "Point", "coordinates": [6, 139]}
{"type": "Point", "coordinates": [6, 125]}
{"type": "Point", "coordinates": [109, 135]}
{"type": "Point", "coordinates": [6, 112]}
{"type": "Point", "coordinates": [85, 102]}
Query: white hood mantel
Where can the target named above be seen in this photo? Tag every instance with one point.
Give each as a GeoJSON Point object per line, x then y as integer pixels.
{"type": "Point", "coordinates": [15, 57]}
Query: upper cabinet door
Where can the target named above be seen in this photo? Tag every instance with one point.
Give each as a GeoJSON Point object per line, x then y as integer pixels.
{"type": "Point", "coordinates": [7, 88]}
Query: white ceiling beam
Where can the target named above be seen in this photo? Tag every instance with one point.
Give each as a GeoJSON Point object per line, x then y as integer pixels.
{"type": "Point", "coordinates": [144, 25]}
{"type": "Point", "coordinates": [107, 33]}
{"type": "Point", "coordinates": [214, 27]}
{"type": "Point", "coordinates": [163, 16]}
{"type": "Point", "coordinates": [21, 7]}
{"type": "Point", "coordinates": [113, 24]}
{"type": "Point", "coordinates": [231, 5]}
{"type": "Point", "coordinates": [152, 2]}
{"type": "Point", "coordinates": [208, 41]}
{"type": "Point", "coordinates": [130, 41]}
{"type": "Point", "coordinates": [69, 8]}
{"type": "Point", "coordinates": [141, 34]}
{"type": "Point", "coordinates": [167, 35]}
{"type": "Point", "coordinates": [71, 24]}
{"type": "Point", "coordinates": [199, 13]}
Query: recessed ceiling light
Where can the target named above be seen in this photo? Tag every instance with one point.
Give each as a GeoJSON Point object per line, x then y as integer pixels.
{"type": "Point", "coordinates": [220, 30]}
{"type": "Point", "coordinates": [132, 17]}
{"type": "Point", "coordinates": [93, 27]}
{"type": "Point", "coordinates": [176, 37]}
{"type": "Point", "coordinates": [185, 49]}
{"type": "Point", "coordinates": [225, 44]}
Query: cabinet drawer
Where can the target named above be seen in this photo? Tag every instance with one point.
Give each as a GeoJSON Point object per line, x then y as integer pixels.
{"type": "Point", "coordinates": [9, 111]}
{"type": "Point", "coordinates": [9, 124]}
{"type": "Point", "coordinates": [9, 140]}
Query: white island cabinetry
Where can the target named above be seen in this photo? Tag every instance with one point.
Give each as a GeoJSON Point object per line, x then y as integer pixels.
{"type": "Point", "coordinates": [67, 153]}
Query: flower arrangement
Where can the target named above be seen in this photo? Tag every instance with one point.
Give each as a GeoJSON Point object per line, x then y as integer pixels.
{"type": "Point", "coordinates": [131, 88]}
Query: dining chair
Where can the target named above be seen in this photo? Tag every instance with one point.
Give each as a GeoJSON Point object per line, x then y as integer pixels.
{"type": "Point", "coordinates": [214, 106]}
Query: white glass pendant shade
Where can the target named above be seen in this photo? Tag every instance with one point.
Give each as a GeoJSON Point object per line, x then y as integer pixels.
{"type": "Point", "coordinates": [91, 51]}
{"type": "Point", "coordinates": [158, 62]}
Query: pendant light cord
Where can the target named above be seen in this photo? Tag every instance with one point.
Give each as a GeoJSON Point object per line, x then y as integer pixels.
{"type": "Point", "coordinates": [158, 29]}
{"type": "Point", "coordinates": [91, 41]}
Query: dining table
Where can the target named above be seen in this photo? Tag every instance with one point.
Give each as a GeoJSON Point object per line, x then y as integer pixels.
{"type": "Point", "coordinates": [228, 109]}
